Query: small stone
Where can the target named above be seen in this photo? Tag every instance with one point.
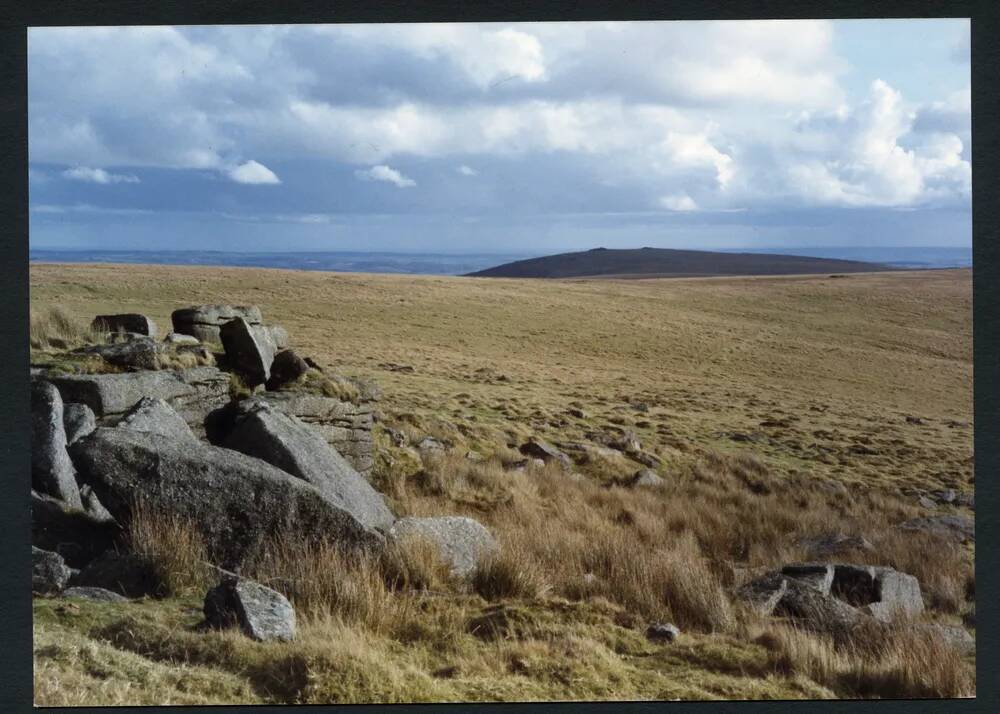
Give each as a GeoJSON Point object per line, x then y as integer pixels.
{"type": "Point", "coordinates": [539, 449]}
{"type": "Point", "coordinates": [662, 632]}
{"type": "Point", "coordinates": [95, 594]}
{"type": "Point", "coordinates": [647, 478]}
{"type": "Point", "coordinates": [49, 572]}
{"type": "Point", "coordinates": [927, 502]}
{"type": "Point", "coordinates": [261, 613]}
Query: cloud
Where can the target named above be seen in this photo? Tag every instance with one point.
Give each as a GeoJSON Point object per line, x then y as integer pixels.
{"type": "Point", "coordinates": [83, 173]}
{"type": "Point", "coordinates": [679, 202]}
{"type": "Point", "coordinates": [467, 170]}
{"type": "Point", "coordinates": [252, 172]}
{"type": "Point", "coordinates": [384, 173]}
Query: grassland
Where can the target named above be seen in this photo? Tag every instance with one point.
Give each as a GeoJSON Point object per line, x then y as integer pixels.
{"type": "Point", "coordinates": [756, 394]}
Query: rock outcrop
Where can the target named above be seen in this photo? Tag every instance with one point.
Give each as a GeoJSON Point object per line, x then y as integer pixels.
{"type": "Point", "coordinates": [235, 500]}
{"type": "Point", "coordinates": [250, 350]}
{"type": "Point", "coordinates": [286, 367]}
{"type": "Point", "coordinates": [138, 353]}
{"type": "Point", "coordinates": [261, 613]}
{"type": "Point", "coordinates": [205, 321]}
{"type": "Point", "coordinates": [462, 542]}
{"type": "Point", "coordinates": [155, 416]}
{"type": "Point", "coordinates": [263, 431]}
{"type": "Point", "coordinates": [52, 471]}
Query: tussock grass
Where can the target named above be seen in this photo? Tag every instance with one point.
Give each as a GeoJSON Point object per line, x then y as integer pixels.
{"type": "Point", "coordinates": [331, 385]}
{"type": "Point", "coordinates": [173, 546]}
{"type": "Point", "coordinates": [56, 328]}
{"type": "Point", "coordinates": [893, 662]}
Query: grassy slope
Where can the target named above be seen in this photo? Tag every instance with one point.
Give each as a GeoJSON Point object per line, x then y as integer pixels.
{"type": "Point", "coordinates": [830, 367]}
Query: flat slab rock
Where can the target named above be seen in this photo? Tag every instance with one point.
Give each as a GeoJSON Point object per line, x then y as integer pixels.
{"type": "Point", "coordinates": [261, 613]}
{"type": "Point", "coordinates": [540, 449]}
{"type": "Point", "coordinates": [154, 416]}
{"type": "Point", "coordinates": [110, 394]}
{"type": "Point", "coordinates": [957, 528]}
{"type": "Point", "coordinates": [463, 542]}
{"type": "Point", "coordinates": [93, 594]}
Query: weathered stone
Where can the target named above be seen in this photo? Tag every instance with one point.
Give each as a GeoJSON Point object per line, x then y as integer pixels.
{"type": "Point", "coordinates": [140, 353]}
{"type": "Point", "coordinates": [261, 613]}
{"type": "Point", "coordinates": [429, 445]}
{"type": "Point", "coordinates": [286, 367]}
{"type": "Point", "coordinates": [763, 594]}
{"type": "Point", "coordinates": [898, 596]}
{"type": "Point", "coordinates": [204, 321]}
{"type": "Point", "coordinates": [52, 471]}
{"type": "Point", "coordinates": [75, 534]}
{"type": "Point", "coordinates": [155, 416]}
{"type": "Point", "coordinates": [126, 322]}
{"type": "Point", "coordinates": [263, 431]}
{"type": "Point", "coordinates": [663, 632]}
{"type": "Point", "coordinates": [249, 350]}
{"type": "Point", "coordinates": [462, 542]}
{"type": "Point", "coordinates": [93, 507]}
{"type": "Point", "coordinates": [49, 573]}
{"type": "Point", "coordinates": [815, 610]}
{"type": "Point", "coordinates": [540, 449]}
{"type": "Point", "coordinates": [947, 495]}
{"type": "Point", "coordinates": [955, 528]}
{"type": "Point", "coordinates": [93, 594]}
{"type": "Point", "coordinates": [109, 394]}
{"type": "Point", "coordinates": [279, 335]}
{"type": "Point", "coordinates": [816, 575]}
{"type": "Point", "coordinates": [627, 442]}
{"type": "Point", "coordinates": [958, 637]}
{"type": "Point", "coordinates": [176, 338]}
{"type": "Point", "coordinates": [645, 458]}
{"type": "Point", "coordinates": [833, 544]}
{"type": "Point", "coordinates": [345, 425]}
{"type": "Point", "coordinates": [78, 420]}
{"type": "Point", "coordinates": [647, 478]}
{"type": "Point", "coordinates": [927, 502]}
{"type": "Point", "coordinates": [123, 573]}
{"type": "Point", "coordinates": [233, 499]}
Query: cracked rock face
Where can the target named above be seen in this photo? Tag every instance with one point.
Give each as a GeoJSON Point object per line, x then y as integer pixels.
{"type": "Point", "coordinates": [204, 321]}
{"type": "Point", "coordinates": [52, 470]}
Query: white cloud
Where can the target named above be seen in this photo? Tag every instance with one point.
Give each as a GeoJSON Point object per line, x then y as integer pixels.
{"type": "Point", "coordinates": [467, 170]}
{"type": "Point", "coordinates": [83, 173]}
{"type": "Point", "coordinates": [678, 202]}
{"type": "Point", "coordinates": [387, 174]}
{"type": "Point", "coordinates": [252, 172]}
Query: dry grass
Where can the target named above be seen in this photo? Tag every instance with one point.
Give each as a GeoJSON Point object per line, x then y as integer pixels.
{"type": "Point", "coordinates": [757, 394]}
{"type": "Point", "coordinates": [55, 328]}
{"type": "Point", "coordinates": [893, 662]}
{"type": "Point", "coordinates": [173, 546]}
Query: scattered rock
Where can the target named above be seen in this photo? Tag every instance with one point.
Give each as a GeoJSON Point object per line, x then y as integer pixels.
{"type": "Point", "coordinates": [463, 542]}
{"type": "Point", "coordinates": [662, 632]}
{"type": "Point", "coordinates": [94, 594]}
{"type": "Point", "coordinates": [281, 440]}
{"type": "Point", "coordinates": [818, 611]}
{"type": "Point", "coordinates": [52, 470]}
{"type": "Point", "coordinates": [648, 478]}
{"type": "Point", "coordinates": [261, 613]}
{"type": "Point", "coordinates": [205, 321]}
{"type": "Point", "coordinates": [49, 573]}
{"type": "Point", "coordinates": [123, 573]}
{"type": "Point", "coordinates": [645, 458]}
{"type": "Point", "coordinates": [627, 442]}
{"type": "Point", "coordinates": [966, 499]}
{"type": "Point", "coordinates": [946, 496]}
{"type": "Point", "coordinates": [126, 322]}
{"type": "Point", "coordinates": [430, 445]}
{"type": "Point", "coordinates": [249, 349]}
{"type": "Point", "coordinates": [393, 367]}
{"type": "Point", "coordinates": [926, 502]}
{"type": "Point", "coordinates": [539, 449]}
{"type": "Point", "coordinates": [286, 367]}
{"type": "Point", "coordinates": [956, 528]}
{"type": "Point", "coordinates": [155, 416]}
{"type": "Point", "coordinates": [235, 500]}
{"type": "Point", "coordinates": [957, 637]}
{"type": "Point", "coordinates": [914, 420]}
{"type": "Point", "coordinates": [78, 420]}
{"type": "Point", "coordinates": [834, 544]}
{"type": "Point", "coordinates": [577, 413]}
{"type": "Point", "coordinates": [396, 436]}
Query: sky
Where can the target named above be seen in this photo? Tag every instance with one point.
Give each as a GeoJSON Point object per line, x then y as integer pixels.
{"type": "Point", "coordinates": [501, 138]}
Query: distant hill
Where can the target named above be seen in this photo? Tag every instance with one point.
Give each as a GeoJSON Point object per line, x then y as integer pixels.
{"type": "Point", "coordinates": [664, 262]}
